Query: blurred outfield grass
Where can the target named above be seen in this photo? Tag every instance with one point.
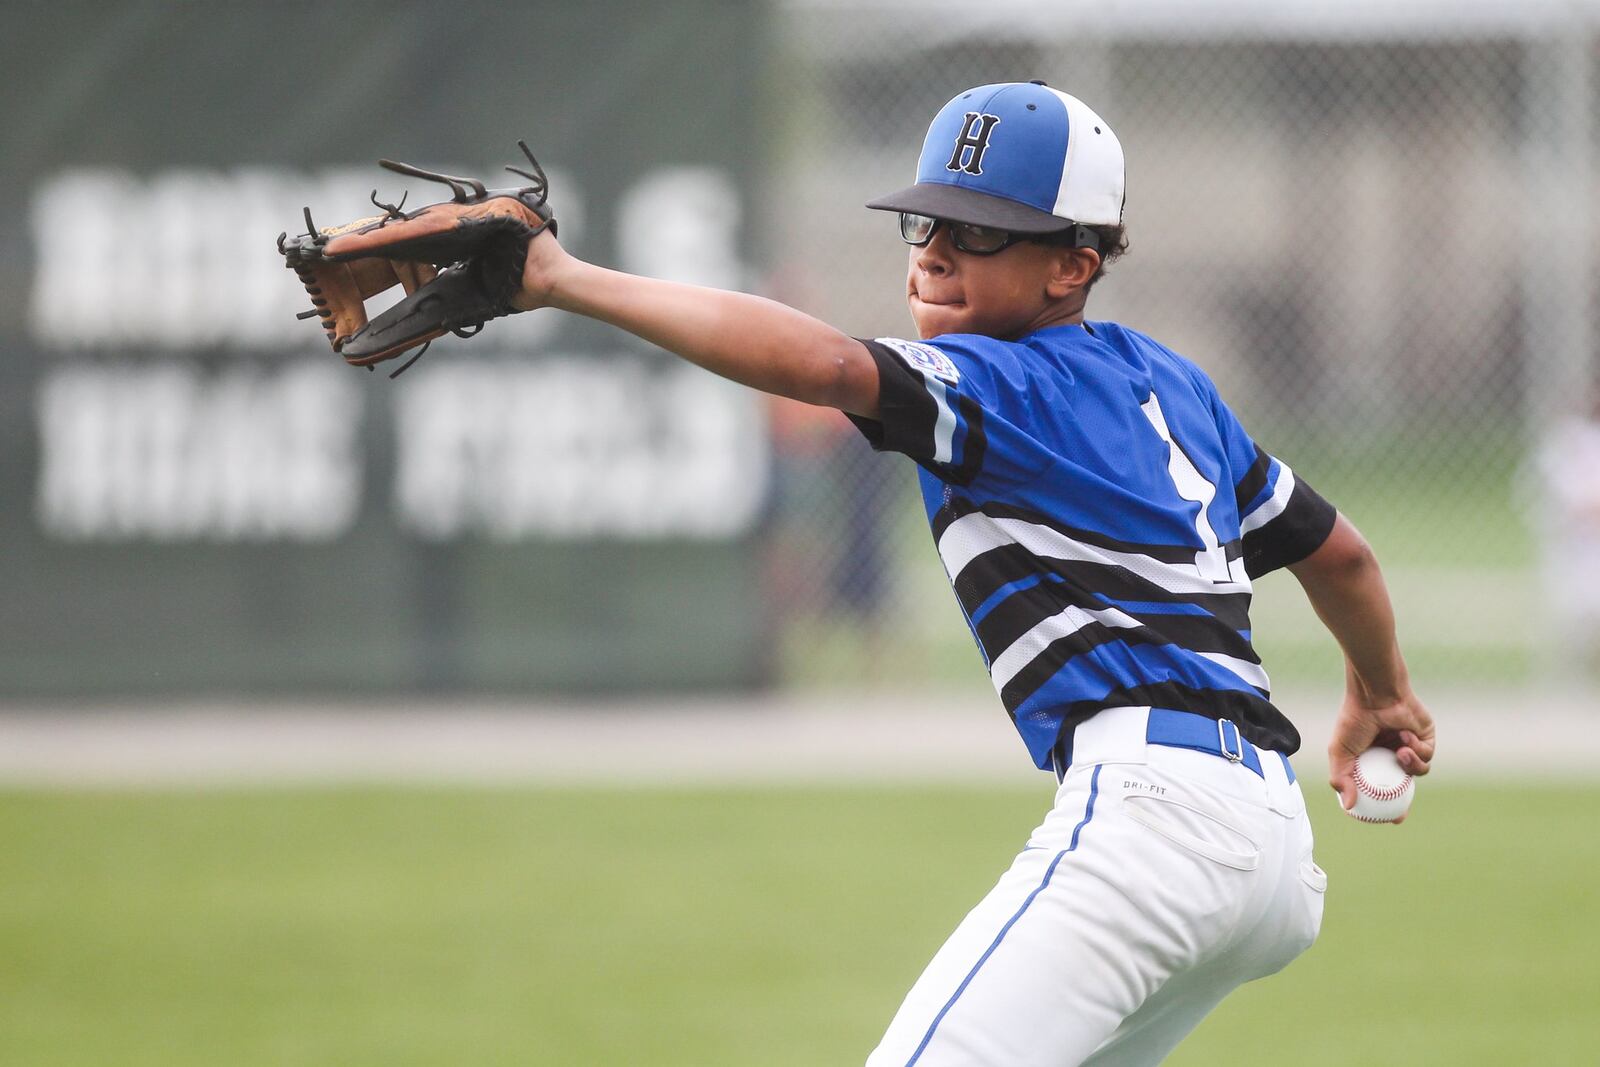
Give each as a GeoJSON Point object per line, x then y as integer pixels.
{"type": "Point", "coordinates": [711, 926]}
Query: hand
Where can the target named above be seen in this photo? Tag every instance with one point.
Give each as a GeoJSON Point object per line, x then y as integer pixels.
{"type": "Point", "coordinates": [545, 263]}
{"type": "Point", "coordinates": [1399, 722]}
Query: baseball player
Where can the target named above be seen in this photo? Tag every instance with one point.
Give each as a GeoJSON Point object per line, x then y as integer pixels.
{"type": "Point", "coordinates": [1101, 515]}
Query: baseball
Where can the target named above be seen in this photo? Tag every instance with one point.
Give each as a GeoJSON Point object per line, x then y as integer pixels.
{"type": "Point", "coordinates": [1383, 789]}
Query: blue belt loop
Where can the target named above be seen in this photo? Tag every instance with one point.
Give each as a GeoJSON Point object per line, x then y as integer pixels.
{"type": "Point", "coordinates": [1234, 752]}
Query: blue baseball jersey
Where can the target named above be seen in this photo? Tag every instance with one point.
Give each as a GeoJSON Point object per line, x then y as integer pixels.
{"type": "Point", "coordinates": [1100, 513]}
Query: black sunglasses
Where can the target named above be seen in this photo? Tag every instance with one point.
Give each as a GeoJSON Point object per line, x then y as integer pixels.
{"type": "Point", "coordinates": [918, 230]}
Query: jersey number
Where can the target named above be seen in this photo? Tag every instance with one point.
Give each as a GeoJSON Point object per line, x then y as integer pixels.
{"type": "Point", "coordinates": [1212, 560]}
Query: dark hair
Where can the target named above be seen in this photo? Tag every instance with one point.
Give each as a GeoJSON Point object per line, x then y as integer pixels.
{"type": "Point", "coordinates": [1113, 246]}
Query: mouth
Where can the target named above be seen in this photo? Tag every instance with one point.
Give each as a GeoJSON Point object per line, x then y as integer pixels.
{"type": "Point", "coordinates": [937, 303]}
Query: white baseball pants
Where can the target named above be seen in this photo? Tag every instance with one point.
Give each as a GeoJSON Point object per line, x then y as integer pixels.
{"type": "Point", "coordinates": [1161, 880]}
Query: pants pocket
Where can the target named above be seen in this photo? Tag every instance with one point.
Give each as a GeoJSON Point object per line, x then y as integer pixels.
{"type": "Point", "coordinates": [1314, 887]}
{"type": "Point", "coordinates": [1199, 832]}
{"type": "Point", "coordinates": [1315, 878]}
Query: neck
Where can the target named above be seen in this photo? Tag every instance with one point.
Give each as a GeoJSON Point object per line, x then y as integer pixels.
{"type": "Point", "coordinates": [1067, 312]}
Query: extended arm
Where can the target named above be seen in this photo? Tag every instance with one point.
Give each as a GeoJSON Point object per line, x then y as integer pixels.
{"type": "Point", "coordinates": [748, 339]}
{"type": "Point", "coordinates": [1345, 586]}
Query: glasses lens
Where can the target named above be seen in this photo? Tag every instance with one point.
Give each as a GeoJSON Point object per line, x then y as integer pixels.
{"type": "Point", "coordinates": [915, 229]}
{"type": "Point", "coordinates": [979, 239]}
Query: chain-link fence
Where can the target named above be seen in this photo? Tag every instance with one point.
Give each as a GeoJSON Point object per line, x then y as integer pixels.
{"type": "Point", "coordinates": [1371, 223]}
{"type": "Point", "coordinates": [1378, 239]}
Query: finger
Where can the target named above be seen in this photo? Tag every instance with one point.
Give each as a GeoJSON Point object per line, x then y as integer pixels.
{"type": "Point", "coordinates": [1345, 786]}
{"type": "Point", "coordinates": [1350, 739]}
{"type": "Point", "coordinates": [1411, 762]}
{"type": "Point", "coordinates": [1415, 753]}
{"type": "Point", "coordinates": [1422, 746]}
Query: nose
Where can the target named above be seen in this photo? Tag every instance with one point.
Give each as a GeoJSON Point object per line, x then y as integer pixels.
{"type": "Point", "coordinates": [935, 256]}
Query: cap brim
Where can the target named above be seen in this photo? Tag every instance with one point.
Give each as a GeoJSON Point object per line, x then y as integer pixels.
{"type": "Point", "coordinates": [970, 206]}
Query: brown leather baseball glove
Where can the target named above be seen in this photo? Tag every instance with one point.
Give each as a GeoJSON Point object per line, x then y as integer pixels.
{"type": "Point", "coordinates": [459, 261]}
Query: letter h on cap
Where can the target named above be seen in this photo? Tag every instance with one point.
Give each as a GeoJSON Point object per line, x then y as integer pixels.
{"type": "Point", "coordinates": [972, 143]}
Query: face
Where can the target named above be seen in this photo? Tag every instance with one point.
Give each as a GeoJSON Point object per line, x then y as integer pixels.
{"type": "Point", "coordinates": [1010, 293]}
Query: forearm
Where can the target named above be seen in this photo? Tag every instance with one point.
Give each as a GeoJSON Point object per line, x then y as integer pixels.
{"type": "Point", "coordinates": [1346, 588]}
{"type": "Point", "coordinates": [748, 339]}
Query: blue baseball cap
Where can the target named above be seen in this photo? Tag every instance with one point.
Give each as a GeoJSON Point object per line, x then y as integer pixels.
{"type": "Point", "coordinates": [1019, 156]}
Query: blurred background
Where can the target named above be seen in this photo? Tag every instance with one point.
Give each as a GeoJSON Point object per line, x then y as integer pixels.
{"type": "Point", "coordinates": [271, 625]}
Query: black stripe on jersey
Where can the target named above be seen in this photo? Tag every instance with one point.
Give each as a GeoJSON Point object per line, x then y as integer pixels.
{"type": "Point", "coordinates": [988, 572]}
{"type": "Point", "coordinates": [906, 413]}
{"type": "Point", "coordinates": [970, 443]}
{"type": "Point", "coordinates": [1027, 608]}
{"type": "Point", "coordinates": [1305, 522]}
{"type": "Point", "coordinates": [1261, 723]}
{"type": "Point", "coordinates": [958, 508]}
{"type": "Point", "coordinates": [1048, 663]}
{"type": "Point", "coordinates": [1056, 655]}
{"type": "Point", "coordinates": [908, 416]}
{"type": "Point", "coordinates": [1254, 480]}
{"type": "Point", "coordinates": [954, 507]}
{"type": "Point", "coordinates": [1198, 633]}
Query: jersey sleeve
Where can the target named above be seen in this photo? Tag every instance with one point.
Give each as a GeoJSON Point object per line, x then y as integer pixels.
{"type": "Point", "coordinates": [1282, 520]}
{"type": "Point", "coordinates": [928, 409]}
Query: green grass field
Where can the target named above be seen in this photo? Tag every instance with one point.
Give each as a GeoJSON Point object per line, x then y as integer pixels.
{"type": "Point", "coordinates": [711, 926]}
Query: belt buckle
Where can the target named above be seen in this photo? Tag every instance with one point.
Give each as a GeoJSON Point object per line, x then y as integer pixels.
{"type": "Point", "coordinates": [1235, 754]}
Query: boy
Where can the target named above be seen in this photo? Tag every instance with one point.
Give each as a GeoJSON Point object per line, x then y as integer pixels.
{"type": "Point", "coordinates": [1100, 513]}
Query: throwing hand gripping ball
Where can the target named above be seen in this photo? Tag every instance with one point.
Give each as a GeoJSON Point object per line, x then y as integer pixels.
{"type": "Point", "coordinates": [1383, 788]}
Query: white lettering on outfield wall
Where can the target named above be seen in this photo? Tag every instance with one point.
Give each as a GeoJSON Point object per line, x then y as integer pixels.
{"type": "Point", "coordinates": [168, 453]}
{"type": "Point", "coordinates": [565, 447]}
{"type": "Point", "coordinates": [682, 224]}
{"type": "Point", "coordinates": [510, 446]}
{"type": "Point", "coordinates": [571, 447]}
{"type": "Point", "coordinates": [185, 259]}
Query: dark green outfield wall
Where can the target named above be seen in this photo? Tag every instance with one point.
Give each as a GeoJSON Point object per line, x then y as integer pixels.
{"type": "Point", "coordinates": [196, 496]}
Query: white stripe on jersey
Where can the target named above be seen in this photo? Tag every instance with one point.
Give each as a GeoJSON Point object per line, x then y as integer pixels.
{"type": "Point", "coordinates": [1025, 649]}
{"type": "Point", "coordinates": [944, 427]}
{"type": "Point", "coordinates": [1252, 673]}
{"type": "Point", "coordinates": [1273, 506]}
{"type": "Point", "coordinates": [972, 535]}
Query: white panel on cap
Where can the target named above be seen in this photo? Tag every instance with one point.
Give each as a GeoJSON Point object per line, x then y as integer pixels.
{"type": "Point", "coordinates": [1091, 180]}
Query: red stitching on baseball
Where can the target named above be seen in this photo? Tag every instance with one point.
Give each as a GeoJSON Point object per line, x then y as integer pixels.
{"type": "Point", "coordinates": [1373, 792]}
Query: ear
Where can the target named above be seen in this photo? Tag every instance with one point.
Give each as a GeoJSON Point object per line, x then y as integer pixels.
{"type": "Point", "coordinates": [1070, 270]}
